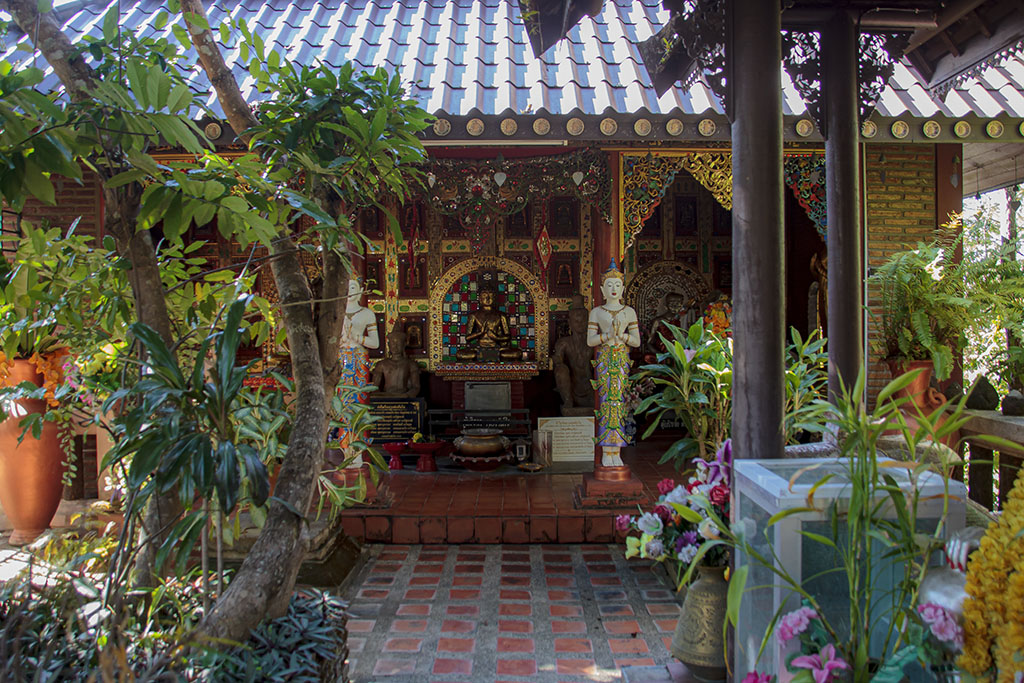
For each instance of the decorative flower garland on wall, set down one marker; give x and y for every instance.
(993, 624)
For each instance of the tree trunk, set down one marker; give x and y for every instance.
(264, 582)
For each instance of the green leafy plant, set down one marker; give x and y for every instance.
(930, 297)
(693, 381)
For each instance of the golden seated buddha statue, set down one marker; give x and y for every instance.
(489, 332)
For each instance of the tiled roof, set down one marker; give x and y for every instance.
(466, 55)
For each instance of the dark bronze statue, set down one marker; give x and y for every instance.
(397, 375)
(571, 357)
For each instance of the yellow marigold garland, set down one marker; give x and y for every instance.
(994, 609)
(719, 317)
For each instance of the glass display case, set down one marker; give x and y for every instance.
(763, 488)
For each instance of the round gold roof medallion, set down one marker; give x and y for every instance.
(574, 126)
(900, 129)
(442, 127)
(541, 126)
(994, 129)
(475, 127)
(804, 127)
(1020, 128)
(706, 127)
(509, 126)
(609, 126)
(642, 127)
(869, 129)
(961, 129)
(931, 129)
(213, 130)
(674, 127)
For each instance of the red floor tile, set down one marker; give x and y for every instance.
(420, 594)
(510, 594)
(566, 610)
(513, 626)
(406, 530)
(568, 627)
(455, 644)
(663, 609)
(543, 529)
(469, 568)
(621, 646)
(573, 645)
(413, 610)
(403, 644)
(666, 625)
(516, 667)
(506, 645)
(434, 529)
(460, 530)
(624, 627)
(642, 661)
(488, 530)
(574, 667)
(468, 580)
(514, 610)
(464, 594)
(424, 580)
(361, 625)
(428, 568)
(615, 610)
(463, 610)
(453, 666)
(409, 625)
(457, 626)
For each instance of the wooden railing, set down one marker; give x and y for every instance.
(983, 462)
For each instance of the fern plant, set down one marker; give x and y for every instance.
(930, 296)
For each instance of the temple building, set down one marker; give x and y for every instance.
(555, 150)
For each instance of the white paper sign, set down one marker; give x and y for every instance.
(572, 438)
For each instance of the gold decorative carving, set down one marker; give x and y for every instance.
(644, 178)
(713, 170)
(961, 129)
(869, 129)
(609, 126)
(931, 129)
(574, 126)
(899, 129)
(804, 127)
(674, 127)
(475, 127)
(541, 126)
(442, 127)
(706, 127)
(509, 126)
(994, 129)
(213, 130)
(532, 281)
(642, 127)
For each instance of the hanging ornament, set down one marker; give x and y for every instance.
(542, 243)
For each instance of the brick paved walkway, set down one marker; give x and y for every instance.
(486, 613)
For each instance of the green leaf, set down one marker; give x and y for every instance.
(737, 585)
(110, 23)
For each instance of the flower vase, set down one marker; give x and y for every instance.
(698, 640)
(31, 472)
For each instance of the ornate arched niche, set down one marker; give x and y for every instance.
(521, 296)
(647, 291)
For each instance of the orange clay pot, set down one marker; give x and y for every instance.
(30, 472)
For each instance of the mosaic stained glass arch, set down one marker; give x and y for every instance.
(519, 295)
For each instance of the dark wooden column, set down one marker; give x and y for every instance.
(757, 214)
(842, 186)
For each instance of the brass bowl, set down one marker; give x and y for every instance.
(481, 443)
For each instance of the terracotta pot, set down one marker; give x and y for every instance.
(30, 472)
(697, 641)
(917, 389)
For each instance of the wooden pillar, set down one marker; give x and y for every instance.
(607, 244)
(842, 191)
(757, 227)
